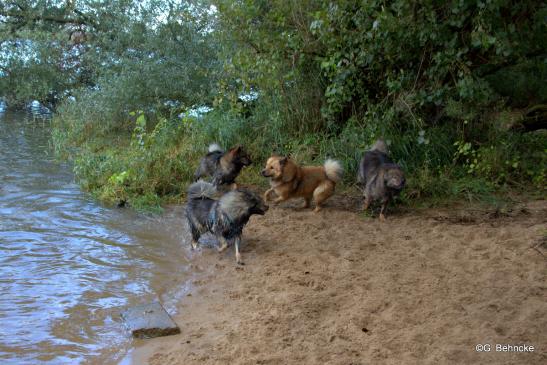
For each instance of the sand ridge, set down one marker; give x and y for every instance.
(339, 288)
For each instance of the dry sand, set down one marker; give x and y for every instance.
(340, 288)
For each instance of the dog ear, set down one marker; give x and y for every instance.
(234, 151)
(290, 171)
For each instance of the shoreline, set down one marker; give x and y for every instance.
(340, 288)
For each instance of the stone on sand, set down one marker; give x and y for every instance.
(149, 321)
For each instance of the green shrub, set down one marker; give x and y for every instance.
(435, 80)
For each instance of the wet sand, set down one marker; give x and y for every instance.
(340, 288)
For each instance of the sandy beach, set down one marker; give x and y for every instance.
(338, 287)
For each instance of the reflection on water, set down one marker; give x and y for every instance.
(67, 264)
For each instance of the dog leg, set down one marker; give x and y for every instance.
(366, 203)
(223, 244)
(322, 193)
(267, 194)
(238, 255)
(279, 200)
(384, 209)
(199, 172)
(307, 202)
(195, 236)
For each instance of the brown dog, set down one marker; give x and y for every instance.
(288, 180)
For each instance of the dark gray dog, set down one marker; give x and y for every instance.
(379, 177)
(223, 216)
(222, 166)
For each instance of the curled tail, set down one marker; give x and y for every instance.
(202, 189)
(213, 147)
(379, 145)
(334, 170)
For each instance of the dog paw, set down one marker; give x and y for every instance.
(238, 259)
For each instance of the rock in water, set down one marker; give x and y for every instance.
(149, 321)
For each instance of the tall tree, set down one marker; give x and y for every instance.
(160, 50)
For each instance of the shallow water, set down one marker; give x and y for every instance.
(69, 265)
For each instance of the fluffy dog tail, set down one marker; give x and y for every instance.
(202, 189)
(379, 145)
(214, 148)
(334, 170)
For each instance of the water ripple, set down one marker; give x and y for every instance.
(68, 265)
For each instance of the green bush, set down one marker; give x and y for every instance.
(435, 80)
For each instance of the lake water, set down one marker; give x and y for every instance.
(69, 265)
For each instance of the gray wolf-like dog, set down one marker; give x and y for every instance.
(223, 216)
(222, 166)
(379, 177)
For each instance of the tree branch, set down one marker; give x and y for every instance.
(492, 69)
(46, 18)
(5, 70)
